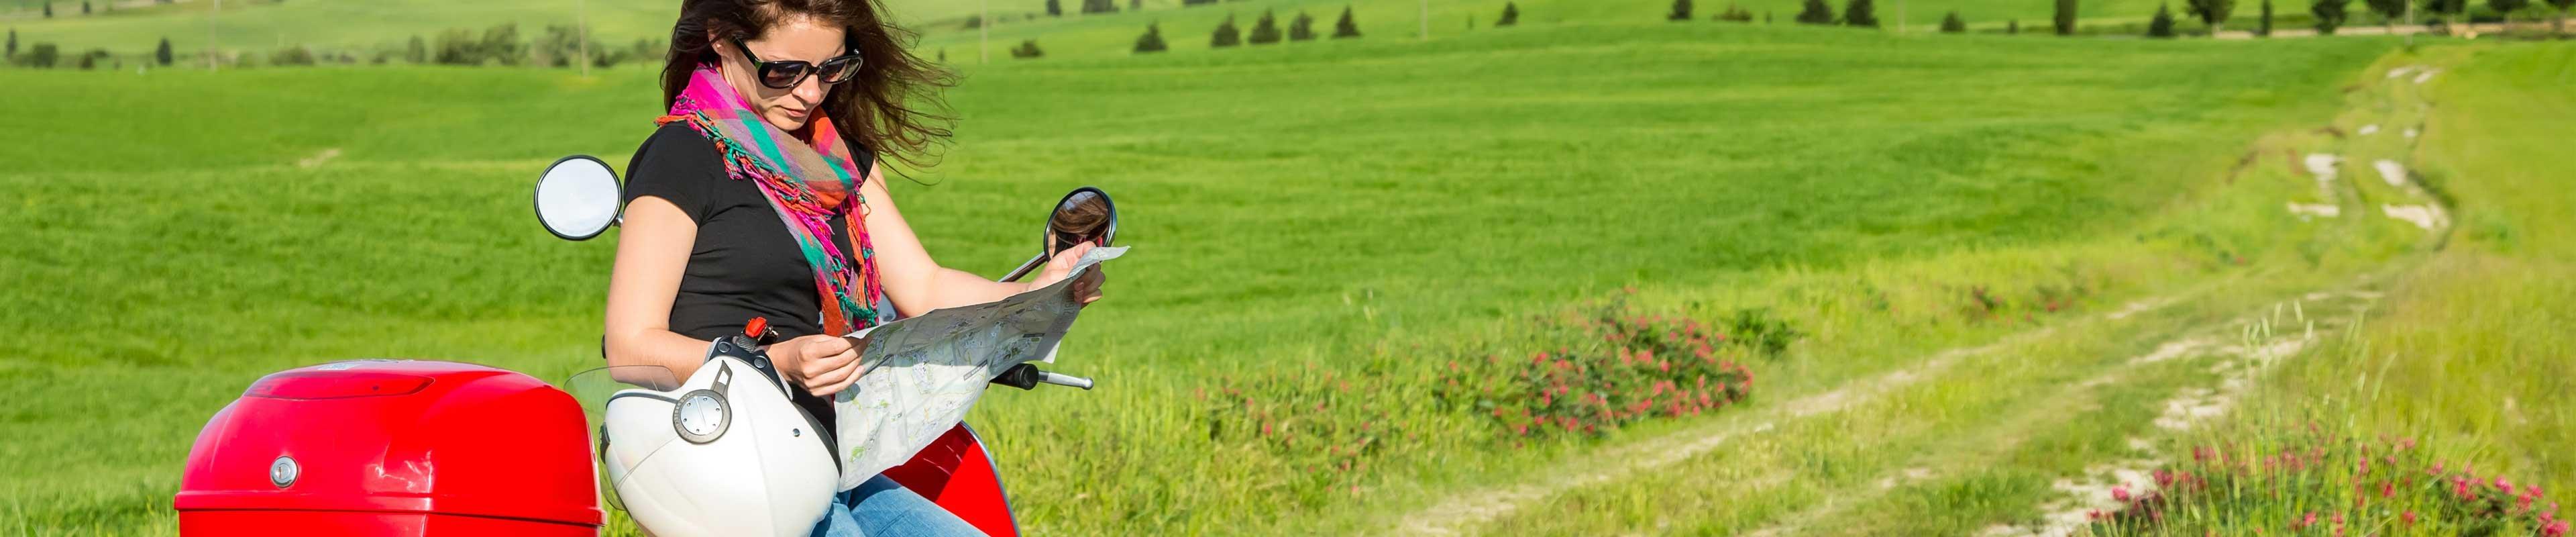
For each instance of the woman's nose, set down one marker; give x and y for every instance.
(811, 90)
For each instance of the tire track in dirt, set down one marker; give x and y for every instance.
(1477, 507)
(2099, 488)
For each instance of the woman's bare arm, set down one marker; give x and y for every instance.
(652, 253)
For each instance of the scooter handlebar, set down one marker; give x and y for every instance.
(1064, 380)
(1028, 377)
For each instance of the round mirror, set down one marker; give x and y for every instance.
(578, 198)
(1086, 214)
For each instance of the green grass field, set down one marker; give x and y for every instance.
(259, 26)
(1361, 212)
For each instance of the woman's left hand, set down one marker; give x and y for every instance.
(1062, 265)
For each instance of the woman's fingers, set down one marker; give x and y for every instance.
(821, 384)
(1089, 286)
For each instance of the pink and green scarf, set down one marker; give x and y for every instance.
(809, 177)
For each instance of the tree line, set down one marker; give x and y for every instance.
(501, 45)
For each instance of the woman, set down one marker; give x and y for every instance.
(760, 196)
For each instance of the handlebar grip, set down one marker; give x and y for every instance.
(1023, 376)
(1064, 380)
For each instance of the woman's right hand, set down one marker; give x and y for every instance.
(823, 364)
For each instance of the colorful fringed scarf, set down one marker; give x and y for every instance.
(808, 179)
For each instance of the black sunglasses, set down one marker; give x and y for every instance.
(787, 74)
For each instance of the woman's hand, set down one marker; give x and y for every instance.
(822, 364)
(1062, 265)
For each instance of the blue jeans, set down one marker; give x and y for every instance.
(881, 508)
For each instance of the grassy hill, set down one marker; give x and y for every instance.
(259, 26)
(178, 234)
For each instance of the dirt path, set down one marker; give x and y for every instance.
(1476, 507)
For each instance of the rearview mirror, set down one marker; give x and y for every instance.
(1084, 215)
(578, 198)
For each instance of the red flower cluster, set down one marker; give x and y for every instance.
(2363, 477)
(1641, 367)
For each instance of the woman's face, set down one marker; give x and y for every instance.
(795, 38)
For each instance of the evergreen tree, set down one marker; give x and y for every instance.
(2211, 12)
(1736, 13)
(2012, 27)
(162, 53)
(1681, 11)
(417, 51)
(1346, 27)
(1092, 6)
(2563, 6)
(2506, 8)
(1054, 9)
(1265, 31)
(1226, 34)
(2064, 19)
(2265, 30)
(44, 55)
(1302, 29)
(2162, 24)
(2329, 15)
(13, 44)
(1860, 13)
(49, 9)
(1816, 12)
(1152, 41)
(84, 11)
(2442, 9)
(2389, 12)
(1950, 24)
(1512, 15)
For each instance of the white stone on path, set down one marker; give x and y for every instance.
(2367, 130)
(2391, 171)
(2322, 165)
(2428, 75)
(2410, 133)
(2323, 210)
(2428, 217)
(2401, 71)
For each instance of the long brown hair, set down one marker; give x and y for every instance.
(892, 107)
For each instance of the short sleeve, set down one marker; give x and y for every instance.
(678, 165)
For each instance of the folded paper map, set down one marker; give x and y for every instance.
(924, 372)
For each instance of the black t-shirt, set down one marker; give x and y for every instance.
(744, 264)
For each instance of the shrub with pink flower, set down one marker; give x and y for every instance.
(1617, 367)
(2311, 482)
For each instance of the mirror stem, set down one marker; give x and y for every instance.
(1025, 268)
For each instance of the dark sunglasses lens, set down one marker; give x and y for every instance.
(840, 70)
(782, 75)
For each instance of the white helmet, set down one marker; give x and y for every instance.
(726, 453)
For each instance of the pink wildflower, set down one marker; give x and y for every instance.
(2120, 493)
(2409, 517)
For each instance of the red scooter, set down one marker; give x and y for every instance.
(404, 447)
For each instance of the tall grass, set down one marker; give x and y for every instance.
(2467, 358)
